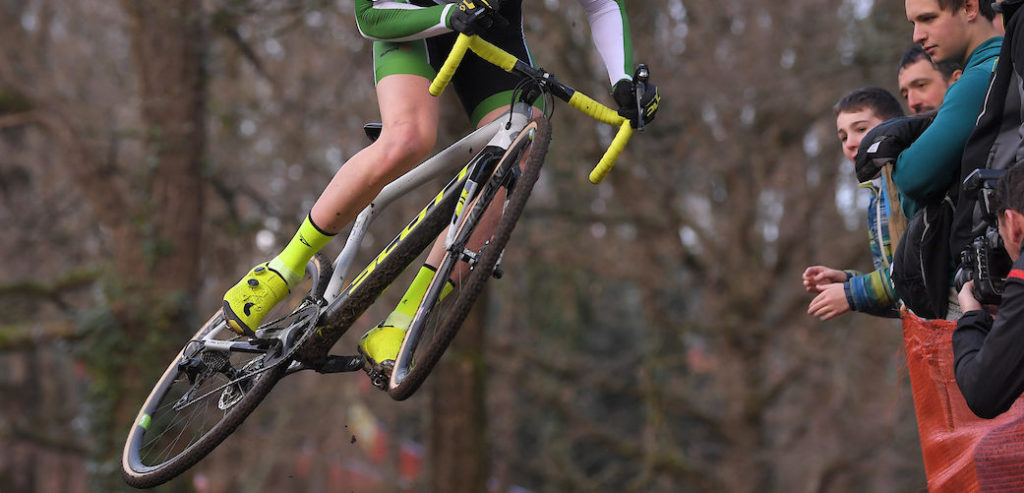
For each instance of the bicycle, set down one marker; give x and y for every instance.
(219, 377)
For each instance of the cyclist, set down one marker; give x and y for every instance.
(411, 40)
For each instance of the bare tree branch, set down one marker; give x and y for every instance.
(29, 335)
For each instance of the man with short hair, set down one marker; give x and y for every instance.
(922, 82)
(989, 353)
(928, 157)
(840, 291)
(927, 151)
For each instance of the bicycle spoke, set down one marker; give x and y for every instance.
(211, 387)
(190, 409)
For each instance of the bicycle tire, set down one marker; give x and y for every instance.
(412, 368)
(150, 427)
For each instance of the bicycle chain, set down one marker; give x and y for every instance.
(287, 357)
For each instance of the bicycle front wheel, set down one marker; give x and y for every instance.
(471, 260)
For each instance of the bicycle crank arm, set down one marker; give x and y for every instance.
(333, 364)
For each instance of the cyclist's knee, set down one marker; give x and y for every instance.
(405, 145)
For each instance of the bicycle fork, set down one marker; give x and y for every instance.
(482, 173)
(482, 167)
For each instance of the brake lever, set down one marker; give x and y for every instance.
(640, 78)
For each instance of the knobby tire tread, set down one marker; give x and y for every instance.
(203, 446)
(319, 267)
(472, 286)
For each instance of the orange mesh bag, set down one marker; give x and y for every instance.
(962, 452)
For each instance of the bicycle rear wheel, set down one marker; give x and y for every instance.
(436, 324)
(205, 394)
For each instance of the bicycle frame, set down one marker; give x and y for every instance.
(498, 133)
(337, 314)
(303, 339)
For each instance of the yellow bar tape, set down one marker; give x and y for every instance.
(493, 54)
(594, 109)
(613, 152)
(607, 115)
(580, 101)
(444, 76)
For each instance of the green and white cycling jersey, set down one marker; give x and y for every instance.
(415, 36)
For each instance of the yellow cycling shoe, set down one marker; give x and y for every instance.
(380, 347)
(249, 301)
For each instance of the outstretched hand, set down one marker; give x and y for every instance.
(830, 303)
(818, 276)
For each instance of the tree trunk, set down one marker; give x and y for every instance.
(157, 253)
(457, 427)
(168, 41)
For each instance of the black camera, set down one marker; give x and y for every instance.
(984, 260)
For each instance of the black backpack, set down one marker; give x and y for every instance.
(921, 263)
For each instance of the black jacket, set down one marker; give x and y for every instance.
(989, 354)
(996, 140)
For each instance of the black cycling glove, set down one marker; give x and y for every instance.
(884, 143)
(475, 16)
(624, 93)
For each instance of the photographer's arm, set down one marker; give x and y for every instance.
(989, 355)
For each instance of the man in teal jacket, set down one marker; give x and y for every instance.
(948, 30)
(928, 156)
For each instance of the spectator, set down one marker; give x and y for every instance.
(840, 291)
(928, 159)
(922, 82)
(989, 354)
(927, 152)
(995, 143)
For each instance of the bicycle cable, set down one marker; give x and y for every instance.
(533, 83)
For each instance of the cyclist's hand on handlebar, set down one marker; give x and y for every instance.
(476, 16)
(636, 98)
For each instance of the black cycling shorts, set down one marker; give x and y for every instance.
(480, 86)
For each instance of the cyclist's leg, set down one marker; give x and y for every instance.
(409, 115)
(485, 92)
(487, 222)
(382, 342)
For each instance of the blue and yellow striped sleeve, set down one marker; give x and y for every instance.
(872, 293)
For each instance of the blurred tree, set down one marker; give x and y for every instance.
(143, 202)
(677, 353)
(651, 332)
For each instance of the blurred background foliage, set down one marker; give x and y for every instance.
(651, 333)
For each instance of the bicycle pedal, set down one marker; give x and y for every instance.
(341, 364)
(380, 375)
